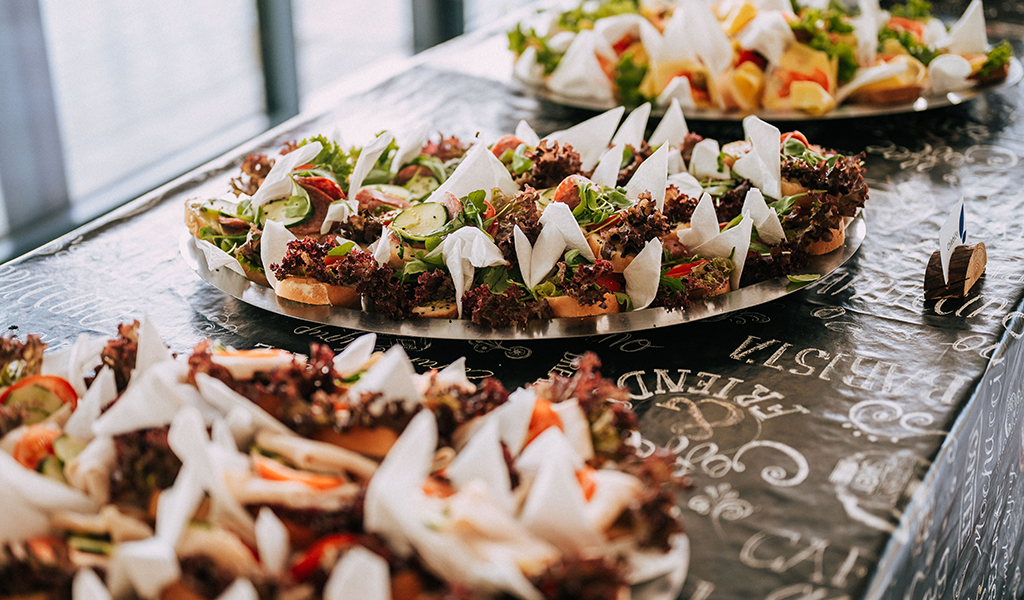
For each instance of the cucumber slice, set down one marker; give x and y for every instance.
(546, 197)
(220, 206)
(37, 401)
(90, 545)
(392, 190)
(421, 186)
(52, 467)
(421, 221)
(288, 211)
(66, 447)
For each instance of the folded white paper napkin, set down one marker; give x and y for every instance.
(559, 232)
(677, 90)
(643, 275)
(767, 33)
(651, 176)
(606, 174)
(409, 146)
(464, 251)
(672, 129)
(579, 74)
(590, 138)
(526, 134)
(704, 163)
(949, 73)
(278, 183)
(367, 158)
(763, 164)
(273, 247)
(479, 170)
(351, 360)
(764, 218)
(967, 35)
(631, 132)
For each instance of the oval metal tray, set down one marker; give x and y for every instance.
(241, 288)
(845, 111)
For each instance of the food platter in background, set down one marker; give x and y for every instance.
(845, 111)
(779, 60)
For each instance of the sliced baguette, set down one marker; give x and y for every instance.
(893, 95)
(311, 291)
(619, 262)
(256, 276)
(725, 288)
(437, 309)
(566, 306)
(824, 247)
(374, 442)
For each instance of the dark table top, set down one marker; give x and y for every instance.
(811, 426)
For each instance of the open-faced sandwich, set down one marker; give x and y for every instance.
(587, 221)
(745, 55)
(126, 472)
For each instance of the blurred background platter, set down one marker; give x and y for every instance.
(844, 111)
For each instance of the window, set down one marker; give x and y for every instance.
(334, 38)
(481, 13)
(145, 91)
(116, 97)
(3, 218)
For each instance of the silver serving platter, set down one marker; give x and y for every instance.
(844, 111)
(257, 295)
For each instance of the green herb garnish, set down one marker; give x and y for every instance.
(997, 59)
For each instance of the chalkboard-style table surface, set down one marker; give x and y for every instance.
(849, 440)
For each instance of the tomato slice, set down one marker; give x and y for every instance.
(585, 477)
(684, 269)
(698, 87)
(795, 135)
(788, 77)
(40, 395)
(612, 220)
(543, 416)
(911, 26)
(35, 445)
(437, 488)
(45, 548)
(269, 468)
(609, 283)
(328, 547)
(506, 143)
(751, 56)
(624, 42)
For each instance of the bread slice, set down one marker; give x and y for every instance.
(892, 95)
(256, 276)
(437, 309)
(566, 306)
(725, 288)
(311, 291)
(618, 260)
(368, 441)
(823, 247)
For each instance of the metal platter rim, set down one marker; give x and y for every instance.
(243, 289)
(847, 111)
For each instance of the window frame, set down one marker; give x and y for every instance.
(33, 181)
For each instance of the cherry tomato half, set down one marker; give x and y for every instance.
(324, 547)
(609, 283)
(683, 270)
